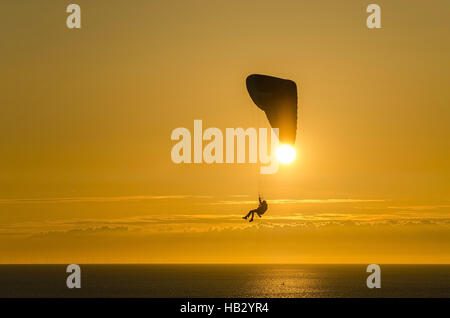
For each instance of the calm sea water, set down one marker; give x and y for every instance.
(225, 281)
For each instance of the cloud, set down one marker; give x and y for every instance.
(184, 223)
(419, 207)
(103, 230)
(298, 201)
(308, 241)
(239, 196)
(100, 199)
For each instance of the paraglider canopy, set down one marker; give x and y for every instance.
(277, 97)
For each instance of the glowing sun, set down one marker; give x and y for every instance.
(285, 154)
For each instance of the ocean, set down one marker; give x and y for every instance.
(229, 281)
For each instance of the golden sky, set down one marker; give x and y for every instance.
(86, 118)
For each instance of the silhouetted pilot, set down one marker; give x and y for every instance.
(260, 210)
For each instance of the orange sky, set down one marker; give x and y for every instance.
(85, 170)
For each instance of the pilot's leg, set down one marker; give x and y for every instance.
(248, 214)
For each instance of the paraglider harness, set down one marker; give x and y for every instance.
(262, 208)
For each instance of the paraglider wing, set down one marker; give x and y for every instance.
(277, 97)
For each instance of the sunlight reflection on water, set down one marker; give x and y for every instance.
(225, 281)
